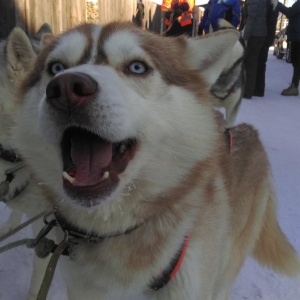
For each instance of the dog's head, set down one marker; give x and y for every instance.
(17, 54)
(113, 116)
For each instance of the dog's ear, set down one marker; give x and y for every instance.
(20, 54)
(210, 53)
(45, 28)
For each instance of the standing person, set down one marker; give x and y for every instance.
(254, 34)
(179, 17)
(272, 15)
(293, 36)
(229, 10)
(140, 13)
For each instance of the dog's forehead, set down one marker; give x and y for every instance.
(121, 45)
(97, 43)
(71, 46)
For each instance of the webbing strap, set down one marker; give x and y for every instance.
(21, 226)
(48, 277)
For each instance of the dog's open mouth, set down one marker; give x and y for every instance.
(91, 165)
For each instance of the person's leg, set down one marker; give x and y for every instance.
(175, 29)
(296, 62)
(188, 30)
(259, 90)
(293, 90)
(253, 48)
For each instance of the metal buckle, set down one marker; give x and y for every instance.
(45, 218)
(49, 225)
(45, 230)
(69, 237)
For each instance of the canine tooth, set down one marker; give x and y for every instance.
(105, 175)
(122, 149)
(68, 177)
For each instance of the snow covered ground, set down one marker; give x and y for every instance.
(278, 121)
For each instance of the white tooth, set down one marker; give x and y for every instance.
(68, 177)
(122, 149)
(105, 175)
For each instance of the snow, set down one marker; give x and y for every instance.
(278, 120)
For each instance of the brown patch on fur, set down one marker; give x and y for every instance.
(87, 30)
(166, 54)
(35, 73)
(47, 39)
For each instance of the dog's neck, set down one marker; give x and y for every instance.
(76, 233)
(73, 236)
(73, 233)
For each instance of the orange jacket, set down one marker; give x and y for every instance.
(186, 16)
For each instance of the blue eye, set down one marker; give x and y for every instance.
(138, 67)
(55, 68)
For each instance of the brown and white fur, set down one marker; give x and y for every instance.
(125, 141)
(24, 196)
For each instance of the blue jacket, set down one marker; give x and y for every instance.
(217, 9)
(293, 14)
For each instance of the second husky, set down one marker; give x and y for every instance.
(18, 191)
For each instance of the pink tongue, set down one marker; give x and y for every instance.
(90, 156)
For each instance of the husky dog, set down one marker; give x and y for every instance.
(16, 189)
(137, 158)
(229, 87)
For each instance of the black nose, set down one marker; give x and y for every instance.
(71, 90)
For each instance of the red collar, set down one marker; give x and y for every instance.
(170, 272)
(229, 138)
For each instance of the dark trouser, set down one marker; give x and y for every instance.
(295, 59)
(259, 89)
(177, 29)
(253, 50)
